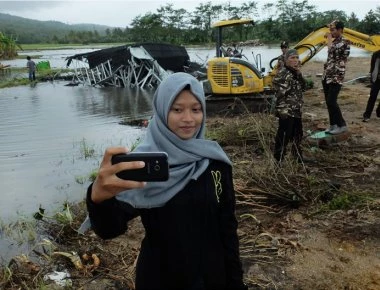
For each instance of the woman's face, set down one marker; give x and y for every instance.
(185, 115)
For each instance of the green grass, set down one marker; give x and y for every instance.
(90, 177)
(14, 83)
(21, 231)
(22, 80)
(93, 174)
(346, 201)
(86, 150)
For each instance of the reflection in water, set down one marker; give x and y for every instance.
(124, 102)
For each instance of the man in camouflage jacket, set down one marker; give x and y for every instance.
(333, 75)
(289, 86)
(281, 59)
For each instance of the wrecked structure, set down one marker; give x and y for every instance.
(139, 65)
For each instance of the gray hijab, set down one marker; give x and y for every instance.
(188, 159)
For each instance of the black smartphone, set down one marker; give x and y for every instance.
(156, 166)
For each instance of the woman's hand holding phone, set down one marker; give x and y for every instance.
(107, 184)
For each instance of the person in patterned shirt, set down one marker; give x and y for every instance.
(333, 75)
(289, 85)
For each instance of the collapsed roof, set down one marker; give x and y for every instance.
(137, 64)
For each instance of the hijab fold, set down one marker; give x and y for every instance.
(188, 159)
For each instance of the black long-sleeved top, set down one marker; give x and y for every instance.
(375, 56)
(190, 243)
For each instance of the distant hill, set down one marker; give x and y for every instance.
(34, 31)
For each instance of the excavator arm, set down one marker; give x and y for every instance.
(315, 41)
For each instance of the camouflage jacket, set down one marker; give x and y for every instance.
(335, 67)
(289, 86)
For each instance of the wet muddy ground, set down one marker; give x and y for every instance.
(281, 248)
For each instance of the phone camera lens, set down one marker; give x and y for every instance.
(157, 167)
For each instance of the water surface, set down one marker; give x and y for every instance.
(44, 131)
(43, 128)
(198, 54)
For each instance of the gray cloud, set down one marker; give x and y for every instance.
(22, 6)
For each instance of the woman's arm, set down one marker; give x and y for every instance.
(109, 218)
(108, 215)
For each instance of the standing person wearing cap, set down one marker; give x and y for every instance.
(281, 59)
(333, 75)
(375, 87)
(289, 85)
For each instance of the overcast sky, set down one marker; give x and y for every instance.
(120, 13)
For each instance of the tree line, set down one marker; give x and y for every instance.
(283, 20)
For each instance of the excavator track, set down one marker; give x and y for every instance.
(237, 104)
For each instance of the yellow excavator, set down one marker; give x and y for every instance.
(230, 76)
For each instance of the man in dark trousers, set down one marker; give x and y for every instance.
(289, 85)
(375, 87)
(333, 75)
(31, 65)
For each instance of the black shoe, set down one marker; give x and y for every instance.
(365, 119)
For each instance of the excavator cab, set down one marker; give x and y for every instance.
(230, 74)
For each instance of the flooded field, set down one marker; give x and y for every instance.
(43, 128)
(52, 136)
(45, 133)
